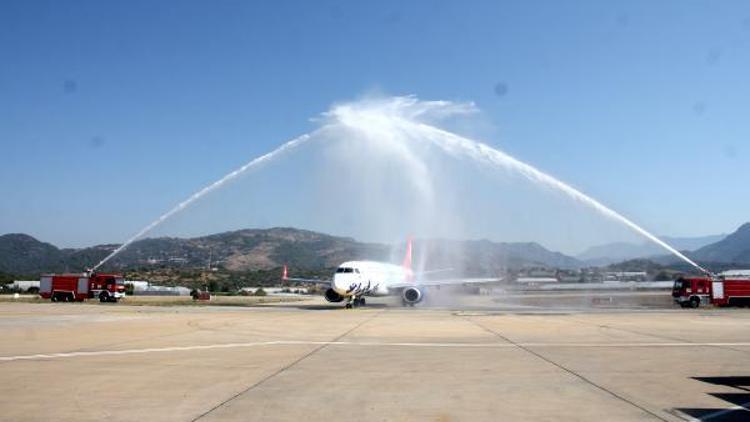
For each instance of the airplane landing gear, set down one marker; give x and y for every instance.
(355, 302)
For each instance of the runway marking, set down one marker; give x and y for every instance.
(356, 344)
(562, 367)
(283, 369)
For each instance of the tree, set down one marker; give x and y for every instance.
(662, 276)
(213, 286)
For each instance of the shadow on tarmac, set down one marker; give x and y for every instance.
(328, 307)
(740, 401)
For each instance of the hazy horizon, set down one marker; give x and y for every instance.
(637, 241)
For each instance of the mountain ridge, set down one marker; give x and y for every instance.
(735, 248)
(263, 249)
(610, 253)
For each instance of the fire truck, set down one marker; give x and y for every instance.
(78, 287)
(692, 292)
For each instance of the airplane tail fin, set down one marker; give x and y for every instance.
(407, 264)
(285, 274)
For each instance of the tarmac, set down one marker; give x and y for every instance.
(478, 359)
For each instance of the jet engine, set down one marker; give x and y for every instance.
(332, 296)
(412, 295)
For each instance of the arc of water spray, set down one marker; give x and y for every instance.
(447, 141)
(198, 195)
(453, 144)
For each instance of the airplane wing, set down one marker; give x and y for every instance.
(444, 282)
(285, 277)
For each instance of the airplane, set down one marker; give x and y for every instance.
(353, 280)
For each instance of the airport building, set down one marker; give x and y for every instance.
(736, 274)
(625, 276)
(23, 285)
(536, 281)
(144, 288)
(277, 291)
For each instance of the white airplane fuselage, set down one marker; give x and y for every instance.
(353, 280)
(368, 278)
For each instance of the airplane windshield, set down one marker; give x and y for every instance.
(345, 270)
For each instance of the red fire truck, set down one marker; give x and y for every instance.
(77, 287)
(691, 292)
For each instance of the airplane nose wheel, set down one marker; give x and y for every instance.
(356, 302)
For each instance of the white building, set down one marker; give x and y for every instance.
(626, 276)
(153, 290)
(536, 280)
(23, 285)
(138, 285)
(277, 291)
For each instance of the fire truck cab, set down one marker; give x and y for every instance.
(691, 292)
(78, 287)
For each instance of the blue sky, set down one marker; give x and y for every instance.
(112, 112)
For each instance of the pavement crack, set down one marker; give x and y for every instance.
(284, 368)
(566, 369)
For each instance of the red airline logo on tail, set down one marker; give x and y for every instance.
(284, 274)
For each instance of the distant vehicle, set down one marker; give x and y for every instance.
(353, 280)
(200, 294)
(692, 292)
(79, 287)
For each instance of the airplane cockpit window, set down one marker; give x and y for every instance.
(344, 270)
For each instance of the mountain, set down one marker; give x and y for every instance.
(256, 249)
(734, 249)
(483, 257)
(251, 249)
(24, 254)
(614, 252)
(639, 264)
(622, 251)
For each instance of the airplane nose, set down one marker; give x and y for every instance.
(341, 285)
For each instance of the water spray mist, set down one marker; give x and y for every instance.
(396, 120)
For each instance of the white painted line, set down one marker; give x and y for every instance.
(131, 351)
(360, 344)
